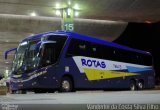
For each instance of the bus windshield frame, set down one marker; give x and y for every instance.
(28, 55)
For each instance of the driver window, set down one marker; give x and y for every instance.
(48, 54)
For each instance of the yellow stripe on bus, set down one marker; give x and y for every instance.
(95, 74)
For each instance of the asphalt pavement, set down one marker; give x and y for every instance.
(81, 97)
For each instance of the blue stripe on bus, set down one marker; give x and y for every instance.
(137, 69)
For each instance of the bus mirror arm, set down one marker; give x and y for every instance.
(8, 51)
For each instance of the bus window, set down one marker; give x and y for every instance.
(48, 54)
(30, 58)
(95, 50)
(59, 39)
(145, 59)
(109, 53)
(20, 57)
(33, 55)
(77, 48)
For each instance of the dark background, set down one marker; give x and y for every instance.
(143, 36)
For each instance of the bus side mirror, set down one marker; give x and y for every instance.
(8, 51)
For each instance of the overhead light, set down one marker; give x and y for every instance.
(57, 5)
(58, 12)
(7, 41)
(76, 13)
(69, 11)
(33, 14)
(69, 2)
(31, 34)
(76, 6)
(149, 22)
(6, 62)
(7, 72)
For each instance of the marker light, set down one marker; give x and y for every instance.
(7, 72)
(76, 6)
(58, 13)
(76, 13)
(33, 14)
(57, 5)
(69, 2)
(69, 11)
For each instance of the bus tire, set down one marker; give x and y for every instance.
(132, 85)
(66, 85)
(140, 85)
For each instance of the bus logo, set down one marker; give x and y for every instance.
(93, 63)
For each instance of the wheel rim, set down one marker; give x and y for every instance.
(132, 87)
(66, 85)
(140, 85)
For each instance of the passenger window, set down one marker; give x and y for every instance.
(77, 48)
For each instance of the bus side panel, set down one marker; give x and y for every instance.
(81, 80)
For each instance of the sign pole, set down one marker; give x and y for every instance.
(67, 19)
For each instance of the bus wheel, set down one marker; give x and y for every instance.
(66, 85)
(132, 85)
(140, 85)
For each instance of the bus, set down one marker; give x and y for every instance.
(68, 61)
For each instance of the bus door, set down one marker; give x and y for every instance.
(47, 65)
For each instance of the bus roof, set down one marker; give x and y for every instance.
(87, 38)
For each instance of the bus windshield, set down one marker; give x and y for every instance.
(29, 53)
(32, 58)
(25, 57)
(19, 56)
